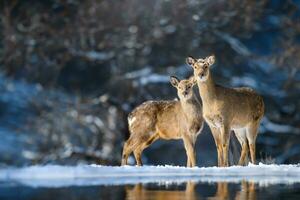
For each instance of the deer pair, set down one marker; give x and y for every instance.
(223, 109)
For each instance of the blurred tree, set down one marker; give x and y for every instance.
(120, 53)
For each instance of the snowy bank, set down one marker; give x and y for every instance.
(83, 175)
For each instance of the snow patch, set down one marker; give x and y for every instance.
(83, 175)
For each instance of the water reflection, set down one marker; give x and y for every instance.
(247, 191)
(140, 192)
(244, 190)
(191, 192)
(222, 191)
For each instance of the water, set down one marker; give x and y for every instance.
(85, 182)
(152, 191)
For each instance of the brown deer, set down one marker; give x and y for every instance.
(226, 109)
(174, 119)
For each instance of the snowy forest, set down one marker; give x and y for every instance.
(72, 70)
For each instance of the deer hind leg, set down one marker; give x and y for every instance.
(190, 151)
(129, 146)
(241, 136)
(138, 151)
(138, 156)
(126, 151)
(252, 132)
(217, 137)
(225, 137)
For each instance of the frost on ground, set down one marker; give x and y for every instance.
(84, 175)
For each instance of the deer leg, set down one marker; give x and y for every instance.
(126, 151)
(138, 154)
(216, 135)
(241, 136)
(188, 161)
(193, 156)
(252, 131)
(225, 137)
(129, 146)
(190, 152)
(252, 152)
(244, 153)
(138, 151)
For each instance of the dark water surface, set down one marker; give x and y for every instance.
(163, 191)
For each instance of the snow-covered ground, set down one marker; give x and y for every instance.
(84, 175)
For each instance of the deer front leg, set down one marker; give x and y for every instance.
(225, 137)
(190, 152)
(188, 161)
(217, 137)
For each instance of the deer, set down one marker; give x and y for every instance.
(228, 109)
(166, 119)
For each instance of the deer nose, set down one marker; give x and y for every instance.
(185, 93)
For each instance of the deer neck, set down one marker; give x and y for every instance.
(207, 90)
(190, 107)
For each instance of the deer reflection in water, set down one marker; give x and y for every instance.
(222, 192)
(140, 192)
(247, 191)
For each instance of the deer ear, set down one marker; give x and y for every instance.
(211, 60)
(174, 81)
(190, 60)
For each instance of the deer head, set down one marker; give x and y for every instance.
(184, 87)
(201, 66)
